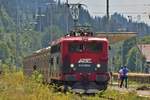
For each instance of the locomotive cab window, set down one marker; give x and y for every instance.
(76, 47)
(89, 46)
(94, 46)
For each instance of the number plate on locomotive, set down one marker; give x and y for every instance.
(84, 65)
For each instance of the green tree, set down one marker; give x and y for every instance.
(132, 60)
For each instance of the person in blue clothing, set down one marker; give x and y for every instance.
(124, 76)
(119, 75)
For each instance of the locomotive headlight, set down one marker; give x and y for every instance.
(71, 65)
(98, 65)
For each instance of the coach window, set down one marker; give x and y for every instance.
(57, 60)
(34, 67)
(55, 48)
(51, 61)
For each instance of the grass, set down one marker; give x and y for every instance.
(15, 86)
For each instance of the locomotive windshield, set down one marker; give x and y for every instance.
(94, 46)
(88, 46)
(76, 47)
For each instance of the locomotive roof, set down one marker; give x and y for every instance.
(79, 38)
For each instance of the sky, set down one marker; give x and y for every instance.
(138, 9)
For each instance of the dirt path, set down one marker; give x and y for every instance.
(143, 93)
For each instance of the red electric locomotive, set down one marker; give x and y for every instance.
(81, 61)
(78, 60)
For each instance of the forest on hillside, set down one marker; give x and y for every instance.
(32, 24)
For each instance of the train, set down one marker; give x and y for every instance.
(78, 60)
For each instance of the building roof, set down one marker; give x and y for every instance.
(115, 37)
(145, 50)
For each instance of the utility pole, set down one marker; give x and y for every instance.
(39, 16)
(51, 19)
(67, 17)
(138, 60)
(51, 23)
(107, 9)
(107, 32)
(122, 60)
(17, 34)
(0, 66)
(107, 15)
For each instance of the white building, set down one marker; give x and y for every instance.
(145, 51)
